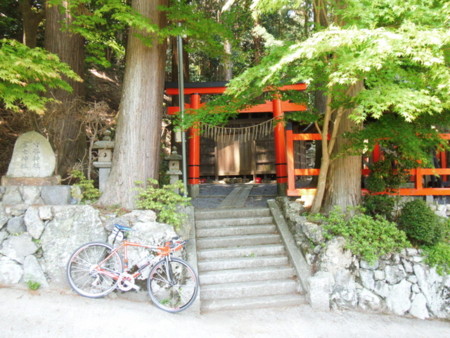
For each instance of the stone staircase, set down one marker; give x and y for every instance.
(242, 261)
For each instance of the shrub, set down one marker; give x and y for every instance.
(382, 205)
(366, 236)
(421, 224)
(385, 175)
(164, 201)
(32, 285)
(88, 192)
(439, 257)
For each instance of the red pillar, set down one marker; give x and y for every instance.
(194, 146)
(443, 159)
(376, 154)
(280, 145)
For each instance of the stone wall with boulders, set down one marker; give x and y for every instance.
(399, 283)
(37, 241)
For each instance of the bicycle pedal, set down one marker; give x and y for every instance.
(137, 288)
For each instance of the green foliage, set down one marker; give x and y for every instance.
(420, 223)
(27, 73)
(102, 23)
(367, 237)
(439, 257)
(388, 174)
(32, 285)
(403, 65)
(404, 146)
(88, 191)
(164, 201)
(382, 205)
(404, 141)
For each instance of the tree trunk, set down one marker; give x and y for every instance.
(174, 71)
(344, 175)
(62, 122)
(227, 62)
(137, 144)
(31, 20)
(327, 148)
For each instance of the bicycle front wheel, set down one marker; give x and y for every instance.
(172, 285)
(93, 270)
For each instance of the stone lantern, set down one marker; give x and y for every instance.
(105, 151)
(174, 171)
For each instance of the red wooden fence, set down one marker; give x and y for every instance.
(417, 174)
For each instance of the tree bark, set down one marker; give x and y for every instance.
(31, 20)
(62, 124)
(327, 148)
(137, 144)
(339, 181)
(344, 175)
(227, 62)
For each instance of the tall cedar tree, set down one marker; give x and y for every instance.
(136, 155)
(65, 129)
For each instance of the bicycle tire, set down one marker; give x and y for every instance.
(86, 277)
(178, 295)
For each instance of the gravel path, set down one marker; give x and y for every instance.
(49, 313)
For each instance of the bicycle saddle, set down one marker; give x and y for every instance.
(123, 227)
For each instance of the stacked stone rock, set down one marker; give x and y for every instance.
(37, 241)
(397, 283)
(403, 284)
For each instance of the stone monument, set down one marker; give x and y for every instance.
(30, 177)
(32, 163)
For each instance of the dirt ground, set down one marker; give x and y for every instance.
(51, 313)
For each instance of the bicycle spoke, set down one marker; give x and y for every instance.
(176, 293)
(88, 278)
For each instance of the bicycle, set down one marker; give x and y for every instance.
(95, 269)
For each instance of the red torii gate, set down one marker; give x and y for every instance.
(276, 106)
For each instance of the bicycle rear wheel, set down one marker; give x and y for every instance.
(92, 271)
(172, 285)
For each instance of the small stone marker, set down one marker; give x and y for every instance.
(32, 163)
(32, 157)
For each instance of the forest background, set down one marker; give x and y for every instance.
(376, 70)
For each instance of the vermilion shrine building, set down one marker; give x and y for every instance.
(256, 145)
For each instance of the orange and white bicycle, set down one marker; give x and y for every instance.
(96, 269)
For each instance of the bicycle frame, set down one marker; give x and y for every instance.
(162, 252)
(172, 283)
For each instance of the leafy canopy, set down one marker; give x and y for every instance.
(27, 73)
(403, 61)
(103, 22)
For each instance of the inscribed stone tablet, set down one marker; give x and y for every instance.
(33, 156)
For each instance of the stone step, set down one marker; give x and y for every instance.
(224, 222)
(246, 262)
(235, 213)
(253, 302)
(246, 275)
(249, 289)
(236, 230)
(237, 198)
(241, 252)
(232, 241)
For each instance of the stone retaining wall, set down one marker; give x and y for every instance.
(36, 195)
(397, 283)
(37, 241)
